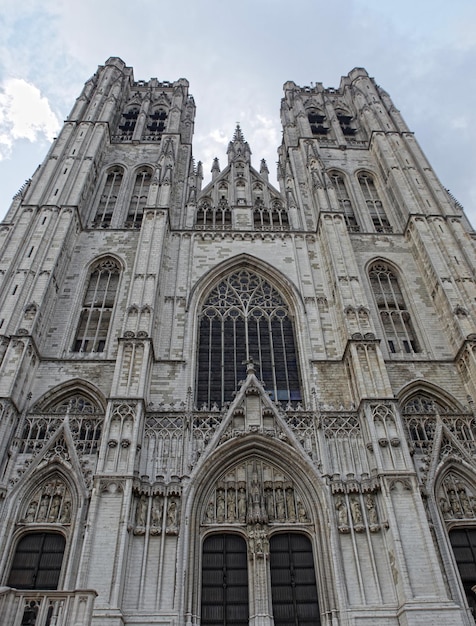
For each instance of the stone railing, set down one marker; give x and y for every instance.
(46, 608)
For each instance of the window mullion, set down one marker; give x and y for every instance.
(90, 310)
(285, 357)
(210, 355)
(109, 194)
(273, 366)
(222, 360)
(101, 308)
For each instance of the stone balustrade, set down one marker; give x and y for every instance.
(46, 608)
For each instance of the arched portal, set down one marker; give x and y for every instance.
(250, 504)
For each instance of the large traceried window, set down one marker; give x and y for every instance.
(394, 314)
(97, 307)
(108, 199)
(244, 318)
(345, 203)
(37, 561)
(139, 198)
(374, 204)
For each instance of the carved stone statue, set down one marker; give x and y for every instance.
(220, 506)
(242, 505)
(302, 514)
(66, 512)
(280, 511)
(258, 543)
(157, 514)
(341, 509)
(256, 500)
(268, 494)
(261, 541)
(445, 508)
(356, 511)
(31, 512)
(210, 513)
(172, 512)
(43, 510)
(55, 508)
(141, 511)
(231, 516)
(290, 504)
(455, 505)
(372, 515)
(467, 510)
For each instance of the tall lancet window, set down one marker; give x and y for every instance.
(345, 203)
(243, 318)
(108, 199)
(394, 314)
(139, 198)
(97, 308)
(374, 204)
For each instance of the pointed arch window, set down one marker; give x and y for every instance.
(425, 403)
(243, 318)
(317, 122)
(345, 203)
(374, 204)
(98, 305)
(224, 581)
(128, 122)
(217, 218)
(274, 217)
(155, 124)
(139, 198)
(37, 561)
(108, 198)
(346, 123)
(394, 315)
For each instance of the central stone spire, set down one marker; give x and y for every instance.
(238, 148)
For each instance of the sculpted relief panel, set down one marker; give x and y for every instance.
(254, 492)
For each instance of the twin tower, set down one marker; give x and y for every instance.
(228, 404)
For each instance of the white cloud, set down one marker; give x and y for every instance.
(24, 114)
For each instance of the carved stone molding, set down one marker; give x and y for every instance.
(110, 485)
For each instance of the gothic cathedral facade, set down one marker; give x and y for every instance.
(226, 404)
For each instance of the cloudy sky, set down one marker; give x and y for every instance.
(237, 55)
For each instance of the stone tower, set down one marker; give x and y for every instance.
(231, 404)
